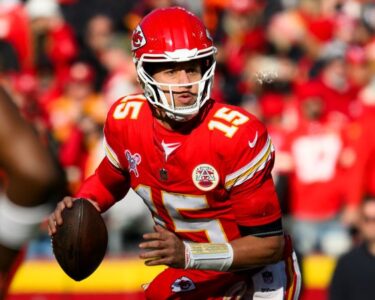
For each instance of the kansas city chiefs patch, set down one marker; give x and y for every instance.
(205, 177)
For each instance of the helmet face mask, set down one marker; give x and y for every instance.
(156, 92)
(173, 35)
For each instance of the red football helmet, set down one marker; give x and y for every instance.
(173, 35)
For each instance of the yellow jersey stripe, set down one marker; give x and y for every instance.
(251, 163)
(111, 155)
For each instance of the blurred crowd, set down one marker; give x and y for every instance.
(304, 67)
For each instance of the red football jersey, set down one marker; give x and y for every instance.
(200, 182)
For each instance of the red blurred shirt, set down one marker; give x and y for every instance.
(15, 28)
(316, 179)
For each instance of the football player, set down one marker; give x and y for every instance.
(29, 179)
(202, 168)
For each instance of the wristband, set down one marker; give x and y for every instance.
(19, 223)
(208, 256)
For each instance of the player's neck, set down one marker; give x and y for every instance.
(183, 127)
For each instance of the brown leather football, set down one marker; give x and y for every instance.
(80, 243)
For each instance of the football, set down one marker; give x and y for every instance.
(80, 243)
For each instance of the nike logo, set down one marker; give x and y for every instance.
(169, 148)
(252, 144)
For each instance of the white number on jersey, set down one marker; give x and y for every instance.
(316, 157)
(175, 204)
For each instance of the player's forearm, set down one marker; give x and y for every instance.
(244, 253)
(44, 186)
(250, 252)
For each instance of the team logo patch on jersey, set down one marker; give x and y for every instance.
(183, 284)
(134, 161)
(205, 177)
(138, 39)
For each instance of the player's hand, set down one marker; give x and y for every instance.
(55, 218)
(163, 248)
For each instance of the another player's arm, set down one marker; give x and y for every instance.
(31, 173)
(32, 178)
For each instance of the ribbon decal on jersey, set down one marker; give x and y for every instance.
(134, 161)
(205, 177)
